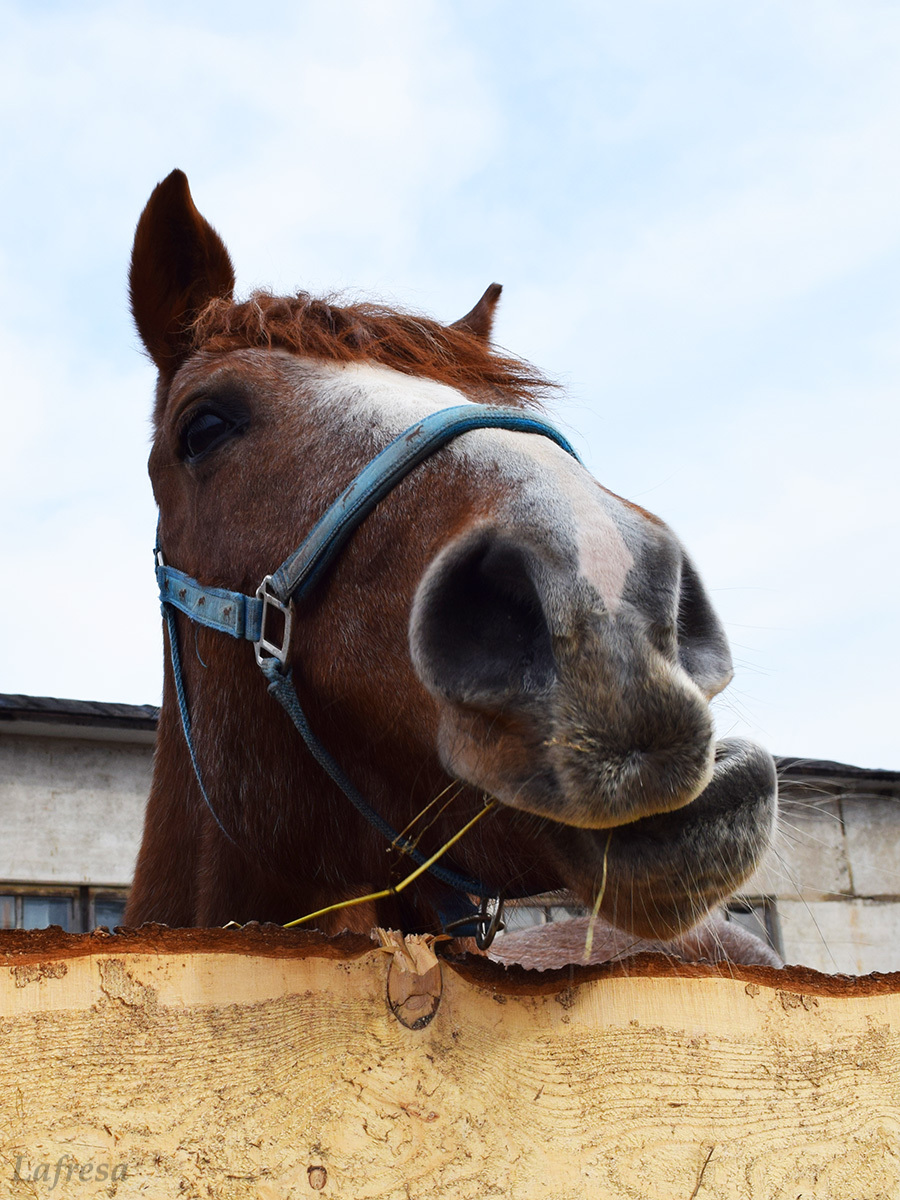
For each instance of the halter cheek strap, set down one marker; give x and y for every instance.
(249, 617)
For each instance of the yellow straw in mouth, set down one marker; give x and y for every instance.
(589, 940)
(394, 891)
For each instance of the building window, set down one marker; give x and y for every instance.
(109, 910)
(75, 909)
(40, 911)
(759, 917)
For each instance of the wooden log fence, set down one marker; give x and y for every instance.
(257, 1064)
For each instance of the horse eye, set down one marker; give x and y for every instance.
(207, 429)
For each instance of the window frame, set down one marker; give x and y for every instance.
(82, 899)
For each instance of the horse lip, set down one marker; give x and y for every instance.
(739, 772)
(666, 871)
(580, 784)
(642, 785)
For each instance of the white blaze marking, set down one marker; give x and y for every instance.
(603, 556)
(553, 489)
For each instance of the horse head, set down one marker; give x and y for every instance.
(499, 624)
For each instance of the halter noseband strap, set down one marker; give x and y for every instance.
(243, 616)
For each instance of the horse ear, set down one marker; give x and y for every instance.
(178, 263)
(480, 320)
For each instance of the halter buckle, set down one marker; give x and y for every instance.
(265, 648)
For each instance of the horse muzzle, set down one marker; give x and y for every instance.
(594, 720)
(548, 700)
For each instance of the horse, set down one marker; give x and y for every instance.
(497, 636)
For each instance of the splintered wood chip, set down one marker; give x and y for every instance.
(414, 981)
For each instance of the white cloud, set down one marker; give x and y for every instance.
(696, 210)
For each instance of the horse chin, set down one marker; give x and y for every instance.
(665, 872)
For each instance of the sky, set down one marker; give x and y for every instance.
(694, 209)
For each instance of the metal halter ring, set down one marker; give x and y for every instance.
(489, 921)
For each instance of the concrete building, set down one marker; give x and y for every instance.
(830, 885)
(74, 777)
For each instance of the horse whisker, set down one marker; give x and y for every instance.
(398, 888)
(414, 845)
(419, 815)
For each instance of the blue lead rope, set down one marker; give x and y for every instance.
(169, 614)
(282, 688)
(243, 616)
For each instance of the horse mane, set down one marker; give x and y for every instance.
(410, 343)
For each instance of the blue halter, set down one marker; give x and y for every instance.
(250, 618)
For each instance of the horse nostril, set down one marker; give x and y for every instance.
(478, 633)
(702, 646)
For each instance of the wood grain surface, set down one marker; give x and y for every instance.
(255, 1065)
